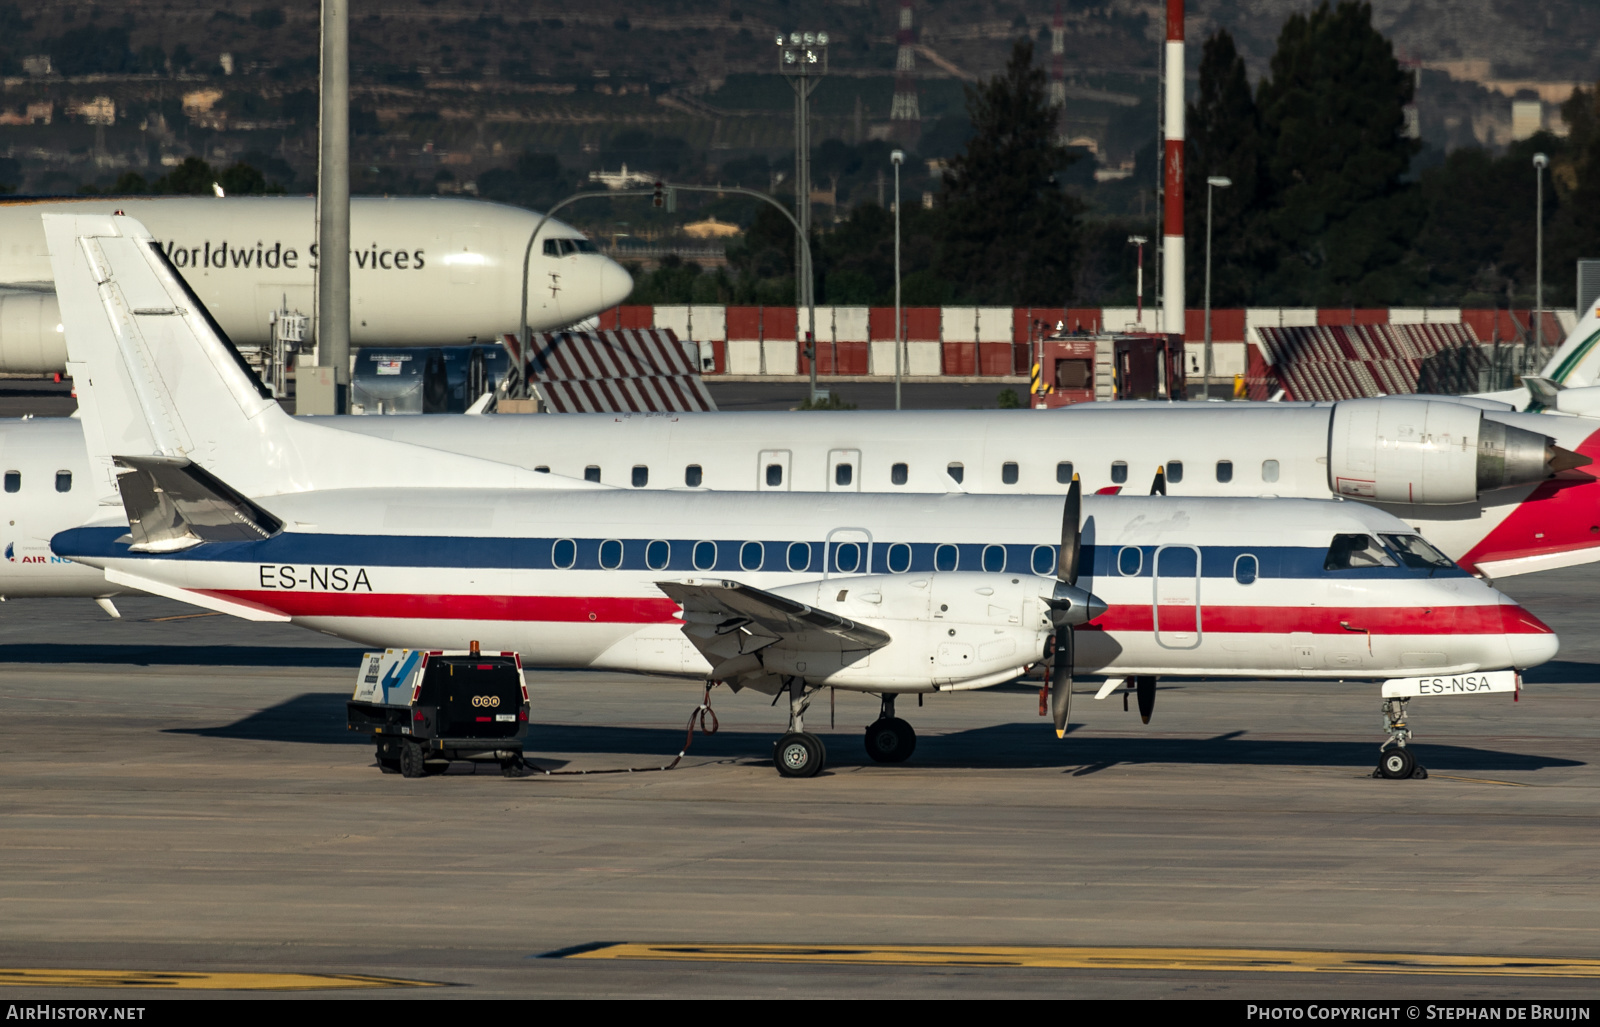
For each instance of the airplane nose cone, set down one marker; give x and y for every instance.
(1530, 639)
(616, 284)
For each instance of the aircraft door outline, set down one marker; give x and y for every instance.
(844, 464)
(1175, 591)
(861, 538)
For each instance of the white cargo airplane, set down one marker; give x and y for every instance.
(234, 506)
(423, 270)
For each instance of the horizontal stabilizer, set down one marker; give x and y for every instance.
(173, 503)
(732, 606)
(204, 600)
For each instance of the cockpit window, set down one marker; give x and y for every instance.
(565, 247)
(1356, 552)
(1414, 552)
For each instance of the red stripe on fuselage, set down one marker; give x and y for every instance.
(1488, 619)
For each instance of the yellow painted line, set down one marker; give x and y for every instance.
(1208, 960)
(151, 980)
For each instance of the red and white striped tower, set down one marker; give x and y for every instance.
(1172, 299)
(1058, 78)
(905, 107)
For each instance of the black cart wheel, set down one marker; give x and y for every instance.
(891, 740)
(388, 766)
(1397, 763)
(513, 768)
(799, 754)
(411, 761)
(433, 768)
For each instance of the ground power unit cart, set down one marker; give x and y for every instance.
(425, 708)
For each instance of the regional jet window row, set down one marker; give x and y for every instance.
(13, 481)
(1401, 556)
(846, 472)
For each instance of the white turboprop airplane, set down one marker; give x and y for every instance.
(423, 270)
(231, 508)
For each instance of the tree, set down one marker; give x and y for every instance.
(1224, 138)
(1333, 113)
(1009, 231)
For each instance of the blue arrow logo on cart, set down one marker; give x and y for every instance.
(399, 672)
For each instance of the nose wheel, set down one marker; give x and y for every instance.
(1397, 762)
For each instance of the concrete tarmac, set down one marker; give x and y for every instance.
(181, 797)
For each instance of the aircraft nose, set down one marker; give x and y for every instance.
(616, 284)
(1530, 639)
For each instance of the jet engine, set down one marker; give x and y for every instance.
(31, 341)
(1433, 452)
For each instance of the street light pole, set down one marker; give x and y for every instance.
(803, 59)
(1540, 162)
(896, 158)
(1213, 183)
(1139, 241)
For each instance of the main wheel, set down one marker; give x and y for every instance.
(411, 761)
(1397, 763)
(891, 740)
(799, 754)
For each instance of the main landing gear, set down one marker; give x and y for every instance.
(1400, 761)
(799, 753)
(890, 739)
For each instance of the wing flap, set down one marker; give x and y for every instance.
(725, 612)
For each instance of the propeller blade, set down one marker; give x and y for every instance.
(1071, 517)
(1159, 486)
(1061, 679)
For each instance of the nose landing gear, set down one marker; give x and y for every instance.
(890, 739)
(1401, 762)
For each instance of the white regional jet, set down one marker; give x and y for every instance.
(423, 270)
(233, 505)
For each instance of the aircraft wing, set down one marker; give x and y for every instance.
(731, 623)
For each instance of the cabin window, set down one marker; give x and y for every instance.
(799, 556)
(846, 557)
(751, 556)
(1008, 473)
(1415, 553)
(899, 558)
(13, 481)
(843, 474)
(946, 557)
(611, 554)
(1044, 560)
(899, 474)
(1119, 472)
(1356, 552)
(1246, 569)
(1130, 561)
(1224, 471)
(63, 481)
(774, 475)
(1064, 473)
(994, 559)
(564, 553)
(692, 476)
(1269, 470)
(705, 555)
(1174, 471)
(956, 472)
(542, 469)
(658, 554)
(641, 476)
(592, 473)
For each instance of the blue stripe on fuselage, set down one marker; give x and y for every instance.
(537, 554)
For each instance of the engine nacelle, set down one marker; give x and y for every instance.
(949, 631)
(31, 341)
(1429, 452)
